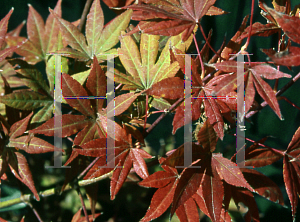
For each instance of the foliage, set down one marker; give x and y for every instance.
(149, 73)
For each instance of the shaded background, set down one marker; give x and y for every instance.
(132, 201)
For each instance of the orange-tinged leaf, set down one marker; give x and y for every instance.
(35, 29)
(94, 26)
(213, 193)
(289, 24)
(249, 93)
(120, 174)
(51, 31)
(268, 72)
(188, 211)
(289, 57)
(207, 137)
(295, 142)
(18, 128)
(188, 183)
(28, 50)
(263, 185)
(72, 88)
(259, 30)
(290, 178)
(122, 103)
(96, 84)
(266, 92)
(160, 202)
(19, 167)
(215, 11)
(3, 26)
(230, 172)
(174, 18)
(71, 124)
(177, 156)
(73, 36)
(227, 66)
(213, 113)
(169, 88)
(34, 146)
(159, 179)
(233, 47)
(77, 217)
(139, 165)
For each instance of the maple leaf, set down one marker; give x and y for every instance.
(146, 72)
(12, 142)
(7, 70)
(286, 23)
(3, 29)
(171, 18)
(166, 182)
(93, 123)
(291, 170)
(288, 57)
(42, 38)
(125, 157)
(40, 96)
(253, 77)
(259, 29)
(99, 40)
(214, 107)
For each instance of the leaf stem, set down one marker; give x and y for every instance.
(83, 205)
(200, 58)
(84, 14)
(162, 116)
(27, 197)
(206, 40)
(35, 212)
(250, 29)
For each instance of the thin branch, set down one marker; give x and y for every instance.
(35, 212)
(244, 48)
(27, 197)
(162, 116)
(206, 40)
(200, 58)
(83, 205)
(84, 14)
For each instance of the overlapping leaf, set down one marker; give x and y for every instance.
(166, 182)
(42, 38)
(14, 138)
(253, 77)
(171, 18)
(99, 41)
(91, 125)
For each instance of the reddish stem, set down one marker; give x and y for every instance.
(250, 30)
(206, 40)
(200, 58)
(146, 114)
(265, 146)
(83, 205)
(284, 98)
